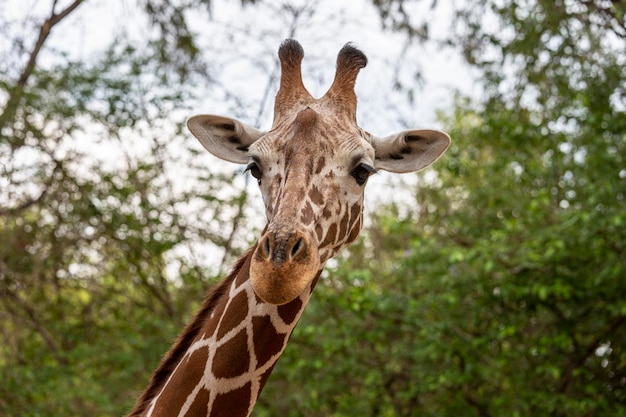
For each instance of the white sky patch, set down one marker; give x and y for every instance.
(241, 44)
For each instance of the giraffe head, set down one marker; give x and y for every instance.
(312, 168)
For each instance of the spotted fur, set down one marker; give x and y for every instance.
(311, 167)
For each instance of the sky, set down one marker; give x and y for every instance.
(241, 45)
(256, 31)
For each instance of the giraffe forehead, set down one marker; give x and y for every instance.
(313, 141)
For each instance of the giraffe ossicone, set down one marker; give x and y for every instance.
(312, 167)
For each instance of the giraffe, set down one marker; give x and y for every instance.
(312, 168)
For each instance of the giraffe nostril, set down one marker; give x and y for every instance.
(279, 248)
(297, 247)
(266, 248)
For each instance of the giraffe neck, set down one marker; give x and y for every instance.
(225, 355)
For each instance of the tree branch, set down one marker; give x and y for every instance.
(11, 211)
(44, 31)
(567, 375)
(16, 210)
(31, 314)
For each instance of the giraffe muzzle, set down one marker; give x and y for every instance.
(283, 265)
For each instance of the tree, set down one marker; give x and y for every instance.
(501, 292)
(99, 255)
(110, 216)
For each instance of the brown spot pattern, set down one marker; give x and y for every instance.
(234, 403)
(232, 358)
(316, 196)
(321, 163)
(331, 235)
(355, 213)
(241, 278)
(343, 224)
(289, 311)
(267, 341)
(187, 376)
(200, 405)
(235, 314)
(354, 233)
(217, 315)
(307, 214)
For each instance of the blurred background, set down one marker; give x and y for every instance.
(492, 284)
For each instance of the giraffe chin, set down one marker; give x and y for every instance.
(282, 283)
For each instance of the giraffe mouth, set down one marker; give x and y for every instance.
(283, 265)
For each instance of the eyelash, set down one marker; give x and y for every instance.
(255, 171)
(362, 172)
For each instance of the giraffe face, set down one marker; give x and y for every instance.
(312, 168)
(312, 175)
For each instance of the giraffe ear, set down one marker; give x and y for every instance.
(410, 150)
(226, 138)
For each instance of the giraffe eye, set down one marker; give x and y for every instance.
(362, 172)
(255, 171)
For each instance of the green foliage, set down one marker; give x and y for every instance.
(499, 292)
(502, 291)
(97, 263)
(503, 304)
